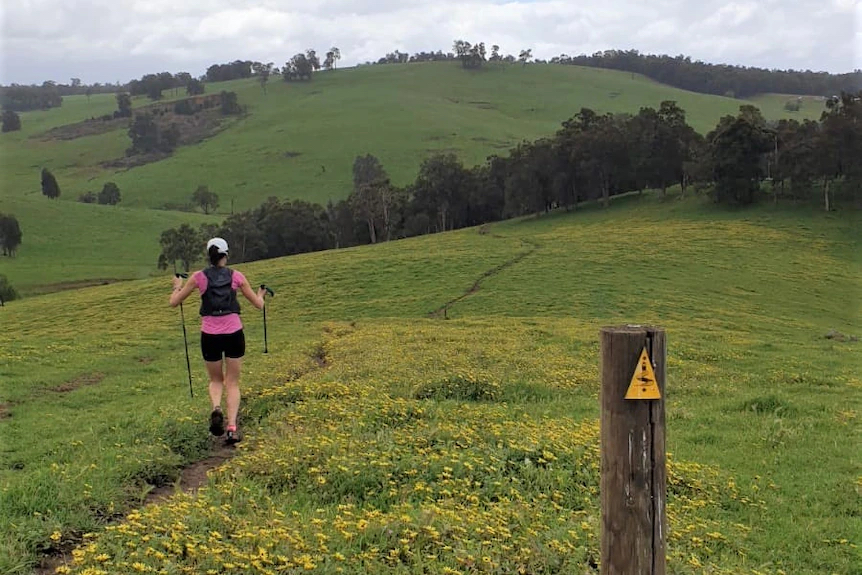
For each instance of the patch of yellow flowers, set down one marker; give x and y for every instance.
(351, 473)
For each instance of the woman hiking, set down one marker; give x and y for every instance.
(221, 331)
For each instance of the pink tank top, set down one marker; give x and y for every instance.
(222, 324)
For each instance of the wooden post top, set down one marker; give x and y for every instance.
(632, 328)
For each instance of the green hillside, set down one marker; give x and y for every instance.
(381, 438)
(298, 141)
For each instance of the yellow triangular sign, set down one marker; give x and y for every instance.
(643, 385)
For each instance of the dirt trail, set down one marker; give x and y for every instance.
(443, 311)
(80, 381)
(192, 477)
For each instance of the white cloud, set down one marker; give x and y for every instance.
(848, 6)
(108, 40)
(731, 15)
(857, 61)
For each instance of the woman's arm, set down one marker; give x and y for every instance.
(256, 299)
(181, 292)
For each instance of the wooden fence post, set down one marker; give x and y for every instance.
(633, 475)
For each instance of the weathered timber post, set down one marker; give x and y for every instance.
(633, 476)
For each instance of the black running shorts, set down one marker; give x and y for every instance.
(213, 347)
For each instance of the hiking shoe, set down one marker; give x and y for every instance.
(217, 422)
(233, 437)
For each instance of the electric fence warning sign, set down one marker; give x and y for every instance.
(643, 384)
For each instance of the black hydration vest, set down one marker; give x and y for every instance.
(219, 299)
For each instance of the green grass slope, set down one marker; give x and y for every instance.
(380, 438)
(300, 140)
(66, 243)
(772, 105)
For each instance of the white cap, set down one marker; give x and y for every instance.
(219, 243)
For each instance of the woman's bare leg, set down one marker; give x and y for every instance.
(214, 371)
(231, 380)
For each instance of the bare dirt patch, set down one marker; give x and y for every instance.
(80, 381)
(196, 128)
(5, 411)
(319, 355)
(193, 129)
(838, 336)
(91, 127)
(58, 557)
(194, 476)
(130, 162)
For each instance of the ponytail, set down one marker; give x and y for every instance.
(214, 255)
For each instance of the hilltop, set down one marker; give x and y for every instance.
(297, 141)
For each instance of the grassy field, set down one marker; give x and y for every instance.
(298, 141)
(69, 243)
(773, 106)
(379, 438)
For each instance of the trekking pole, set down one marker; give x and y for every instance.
(271, 294)
(185, 338)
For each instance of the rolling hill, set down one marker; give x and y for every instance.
(298, 141)
(381, 436)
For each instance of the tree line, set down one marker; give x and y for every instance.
(719, 79)
(678, 71)
(300, 66)
(592, 157)
(468, 54)
(22, 98)
(153, 85)
(17, 98)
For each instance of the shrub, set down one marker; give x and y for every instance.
(110, 194)
(184, 108)
(11, 121)
(7, 292)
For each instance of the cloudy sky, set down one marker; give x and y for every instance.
(116, 40)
